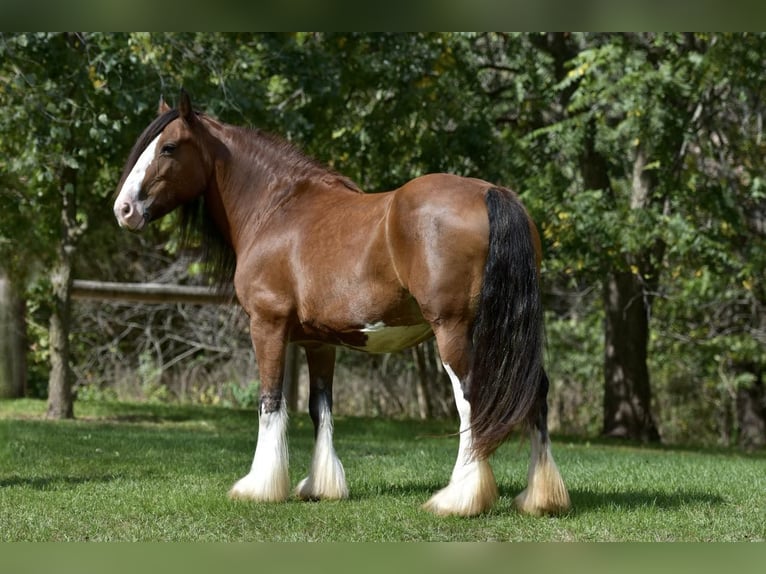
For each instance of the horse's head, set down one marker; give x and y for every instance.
(166, 168)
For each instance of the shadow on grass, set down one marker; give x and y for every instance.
(583, 501)
(162, 413)
(623, 443)
(53, 482)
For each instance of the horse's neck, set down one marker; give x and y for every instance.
(250, 185)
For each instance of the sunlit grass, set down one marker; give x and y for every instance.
(158, 472)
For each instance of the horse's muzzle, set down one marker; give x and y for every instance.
(130, 215)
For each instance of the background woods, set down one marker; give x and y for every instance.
(639, 155)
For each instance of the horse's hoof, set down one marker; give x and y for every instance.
(255, 488)
(473, 492)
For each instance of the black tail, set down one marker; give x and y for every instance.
(506, 370)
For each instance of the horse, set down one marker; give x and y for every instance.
(318, 262)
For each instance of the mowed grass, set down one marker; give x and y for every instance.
(131, 472)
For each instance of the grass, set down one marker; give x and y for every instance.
(130, 472)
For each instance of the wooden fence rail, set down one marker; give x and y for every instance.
(166, 293)
(150, 293)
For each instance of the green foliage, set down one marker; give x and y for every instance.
(524, 110)
(685, 109)
(577, 390)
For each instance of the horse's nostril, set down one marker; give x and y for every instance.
(126, 209)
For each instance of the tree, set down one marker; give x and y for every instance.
(53, 86)
(640, 156)
(83, 97)
(12, 338)
(661, 197)
(614, 124)
(594, 179)
(715, 310)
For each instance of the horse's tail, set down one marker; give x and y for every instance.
(506, 370)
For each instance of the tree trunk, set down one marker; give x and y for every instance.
(441, 397)
(751, 413)
(13, 357)
(627, 392)
(60, 381)
(292, 375)
(423, 384)
(751, 398)
(60, 398)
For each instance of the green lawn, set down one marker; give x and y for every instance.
(160, 473)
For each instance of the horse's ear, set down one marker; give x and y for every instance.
(163, 107)
(185, 107)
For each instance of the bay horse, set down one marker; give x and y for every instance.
(318, 262)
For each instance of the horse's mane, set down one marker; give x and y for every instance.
(198, 229)
(273, 158)
(282, 159)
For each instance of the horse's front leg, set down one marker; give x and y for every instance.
(326, 478)
(268, 478)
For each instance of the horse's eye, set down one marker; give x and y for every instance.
(168, 148)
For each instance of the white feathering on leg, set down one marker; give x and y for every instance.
(326, 479)
(268, 479)
(472, 488)
(545, 492)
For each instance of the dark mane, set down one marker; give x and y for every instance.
(199, 230)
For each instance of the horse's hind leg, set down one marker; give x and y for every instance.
(545, 492)
(326, 478)
(472, 488)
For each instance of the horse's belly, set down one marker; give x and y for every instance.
(382, 338)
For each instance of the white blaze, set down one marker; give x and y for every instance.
(128, 196)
